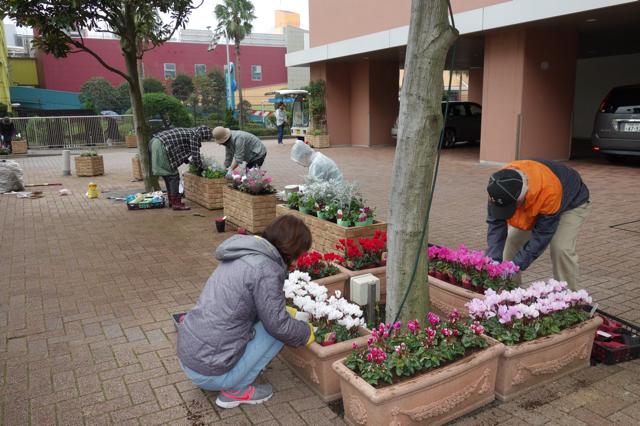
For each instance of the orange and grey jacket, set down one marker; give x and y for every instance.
(553, 188)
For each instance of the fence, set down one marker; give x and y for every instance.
(74, 131)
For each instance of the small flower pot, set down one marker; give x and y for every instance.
(19, 147)
(220, 223)
(344, 223)
(131, 141)
(322, 215)
(304, 210)
(363, 223)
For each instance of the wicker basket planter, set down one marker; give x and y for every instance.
(131, 141)
(326, 234)
(446, 297)
(89, 166)
(252, 212)
(434, 398)
(318, 141)
(204, 191)
(546, 359)
(19, 147)
(136, 168)
(313, 365)
(380, 272)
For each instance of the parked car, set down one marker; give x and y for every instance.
(463, 123)
(616, 130)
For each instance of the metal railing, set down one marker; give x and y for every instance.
(74, 131)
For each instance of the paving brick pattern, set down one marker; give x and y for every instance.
(86, 289)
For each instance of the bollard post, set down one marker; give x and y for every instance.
(371, 304)
(66, 162)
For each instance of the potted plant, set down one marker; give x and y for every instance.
(317, 135)
(459, 275)
(307, 202)
(131, 139)
(366, 256)
(19, 145)
(293, 200)
(338, 329)
(89, 163)
(136, 168)
(206, 188)
(249, 200)
(547, 332)
(428, 373)
(323, 269)
(365, 216)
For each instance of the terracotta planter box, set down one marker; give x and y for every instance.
(380, 272)
(318, 141)
(339, 281)
(19, 147)
(326, 234)
(546, 359)
(252, 212)
(313, 365)
(446, 297)
(136, 168)
(434, 398)
(89, 166)
(206, 192)
(131, 141)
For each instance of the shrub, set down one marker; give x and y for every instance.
(168, 108)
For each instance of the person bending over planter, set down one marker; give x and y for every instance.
(320, 166)
(240, 322)
(534, 204)
(172, 148)
(240, 147)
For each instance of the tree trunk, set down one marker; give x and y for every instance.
(238, 81)
(420, 124)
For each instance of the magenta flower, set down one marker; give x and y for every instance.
(413, 325)
(433, 318)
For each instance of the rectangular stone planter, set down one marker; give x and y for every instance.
(380, 272)
(326, 234)
(446, 297)
(206, 192)
(313, 364)
(318, 141)
(339, 281)
(131, 141)
(19, 147)
(252, 212)
(136, 168)
(89, 166)
(546, 359)
(434, 398)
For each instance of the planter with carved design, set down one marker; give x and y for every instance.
(313, 364)
(446, 297)
(546, 359)
(434, 398)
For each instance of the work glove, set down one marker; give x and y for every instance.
(295, 314)
(312, 334)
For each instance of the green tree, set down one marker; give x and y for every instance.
(152, 85)
(210, 91)
(234, 19)
(139, 26)
(99, 95)
(168, 108)
(182, 87)
(124, 100)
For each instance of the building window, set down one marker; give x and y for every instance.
(256, 72)
(201, 69)
(169, 71)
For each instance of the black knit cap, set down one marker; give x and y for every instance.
(504, 189)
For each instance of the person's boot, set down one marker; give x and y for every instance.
(177, 203)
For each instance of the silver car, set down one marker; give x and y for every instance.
(616, 131)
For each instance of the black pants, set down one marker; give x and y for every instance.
(173, 184)
(256, 163)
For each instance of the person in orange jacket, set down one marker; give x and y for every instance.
(534, 204)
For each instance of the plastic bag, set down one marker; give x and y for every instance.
(10, 176)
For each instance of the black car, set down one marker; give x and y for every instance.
(616, 131)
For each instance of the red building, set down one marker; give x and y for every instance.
(261, 56)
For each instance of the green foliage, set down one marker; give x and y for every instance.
(212, 170)
(99, 95)
(89, 154)
(293, 201)
(342, 333)
(234, 18)
(210, 91)
(123, 97)
(4, 110)
(152, 85)
(182, 87)
(168, 108)
(317, 106)
(229, 121)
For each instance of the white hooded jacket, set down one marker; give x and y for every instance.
(320, 166)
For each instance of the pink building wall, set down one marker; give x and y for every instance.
(384, 105)
(360, 100)
(70, 73)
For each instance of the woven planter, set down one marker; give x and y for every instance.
(252, 212)
(326, 234)
(131, 141)
(446, 297)
(434, 398)
(313, 364)
(544, 360)
(206, 192)
(19, 147)
(380, 272)
(136, 168)
(318, 141)
(89, 166)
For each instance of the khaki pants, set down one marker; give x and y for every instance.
(563, 244)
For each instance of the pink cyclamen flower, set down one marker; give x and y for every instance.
(446, 332)
(354, 345)
(454, 315)
(433, 318)
(476, 327)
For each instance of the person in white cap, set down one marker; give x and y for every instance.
(320, 166)
(240, 147)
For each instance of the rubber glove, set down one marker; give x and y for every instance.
(312, 335)
(292, 311)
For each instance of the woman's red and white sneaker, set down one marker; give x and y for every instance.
(252, 394)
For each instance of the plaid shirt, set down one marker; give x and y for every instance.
(182, 143)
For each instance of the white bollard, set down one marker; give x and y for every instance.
(66, 162)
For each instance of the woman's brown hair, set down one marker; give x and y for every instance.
(289, 235)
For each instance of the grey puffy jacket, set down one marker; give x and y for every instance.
(245, 288)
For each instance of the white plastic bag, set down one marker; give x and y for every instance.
(10, 176)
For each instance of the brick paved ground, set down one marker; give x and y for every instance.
(86, 289)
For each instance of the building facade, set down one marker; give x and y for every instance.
(539, 67)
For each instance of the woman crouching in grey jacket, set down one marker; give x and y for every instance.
(240, 323)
